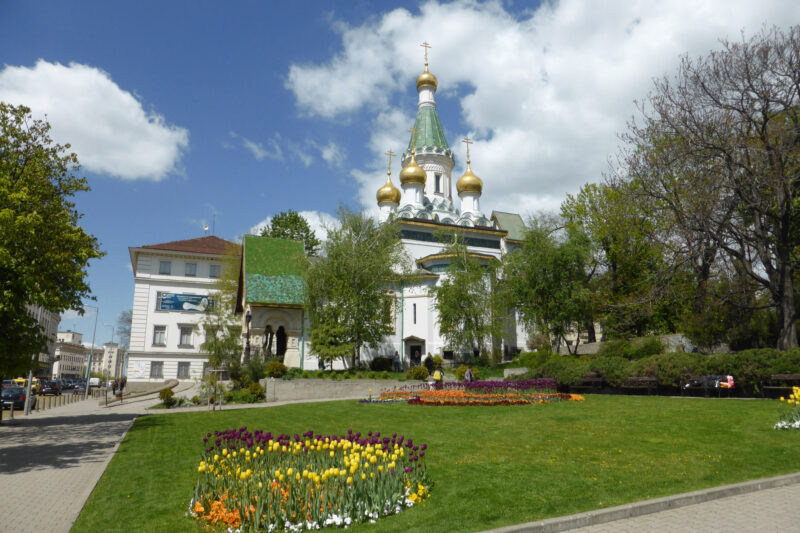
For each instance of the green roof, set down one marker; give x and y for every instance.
(429, 130)
(512, 223)
(272, 272)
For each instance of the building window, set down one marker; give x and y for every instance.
(191, 269)
(213, 271)
(165, 267)
(205, 369)
(186, 337)
(438, 182)
(183, 370)
(414, 312)
(159, 335)
(156, 369)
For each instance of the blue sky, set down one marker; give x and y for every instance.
(185, 113)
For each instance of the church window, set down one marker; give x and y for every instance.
(414, 312)
(438, 183)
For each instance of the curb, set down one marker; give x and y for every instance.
(630, 510)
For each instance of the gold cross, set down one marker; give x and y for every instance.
(391, 155)
(413, 132)
(425, 45)
(467, 142)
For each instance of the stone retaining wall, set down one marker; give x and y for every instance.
(279, 390)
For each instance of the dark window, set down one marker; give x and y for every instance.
(414, 311)
(157, 369)
(191, 269)
(183, 370)
(438, 182)
(165, 267)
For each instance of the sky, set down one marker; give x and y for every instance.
(188, 114)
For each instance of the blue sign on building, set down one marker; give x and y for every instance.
(197, 303)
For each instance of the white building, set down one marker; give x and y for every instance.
(173, 282)
(110, 361)
(70, 355)
(426, 208)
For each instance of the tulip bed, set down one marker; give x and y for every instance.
(482, 393)
(260, 482)
(790, 416)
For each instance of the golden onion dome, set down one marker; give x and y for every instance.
(413, 173)
(427, 79)
(469, 182)
(388, 193)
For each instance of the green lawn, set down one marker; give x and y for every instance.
(492, 466)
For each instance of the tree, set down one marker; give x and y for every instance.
(291, 225)
(124, 328)
(549, 279)
(222, 338)
(349, 301)
(44, 252)
(468, 302)
(720, 142)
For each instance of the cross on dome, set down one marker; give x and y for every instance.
(425, 45)
(390, 154)
(467, 141)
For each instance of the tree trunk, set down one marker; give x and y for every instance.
(787, 339)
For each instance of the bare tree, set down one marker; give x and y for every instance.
(716, 153)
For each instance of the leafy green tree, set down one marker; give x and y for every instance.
(222, 334)
(470, 306)
(720, 142)
(44, 252)
(347, 286)
(291, 225)
(549, 280)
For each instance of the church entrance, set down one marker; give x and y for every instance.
(415, 347)
(274, 342)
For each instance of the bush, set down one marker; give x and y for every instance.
(346, 375)
(276, 369)
(437, 361)
(632, 350)
(670, 368)
(256, 391)
(461, 370)
(359, 375)
(384, 375)
(320, 374)
(418, 372)
(196, 400)
(564, 369)
(532, 360)
(380, 363)
(371, 375)
(167, 397)
(306, 374)
(614, 369)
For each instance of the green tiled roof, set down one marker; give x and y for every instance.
(429, 129)
(512, 223)
(272, 271)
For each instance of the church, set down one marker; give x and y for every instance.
(425, 208)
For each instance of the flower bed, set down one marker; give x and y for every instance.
(790, 416)
(486, 393)
(260, 482)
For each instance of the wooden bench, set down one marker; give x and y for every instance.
(707, 385)
(648, 384)
(591, 382)
(779, 385)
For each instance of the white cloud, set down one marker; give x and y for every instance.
(70, 314)
(105, 125)
(543, 93)
(258, 150)
(317, 220)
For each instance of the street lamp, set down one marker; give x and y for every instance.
(247, 318)
(89, 362)
(107, 365)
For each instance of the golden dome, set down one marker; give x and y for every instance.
(413, 173)
(388, 193)
(427, 79)
(469, 182)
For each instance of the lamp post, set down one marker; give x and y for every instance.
(89, 361)
(107, 365)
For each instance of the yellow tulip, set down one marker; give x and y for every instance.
(783, 399)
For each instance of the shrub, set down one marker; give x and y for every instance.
(320, 374)
(534, 360)
(384, 375)
(256, 391)
(461, 370)
(167, 397)
(564, 369)
(276, 369)
(380, 363)
(437, 361)
(359, 375)
(371, 375)
(418, 372)
(632, 350)
(306, 374)
(346, 375)
(196, 399)
(670, 368)
(614, 369)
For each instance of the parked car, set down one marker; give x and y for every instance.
(16, 396)
(50, 387)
